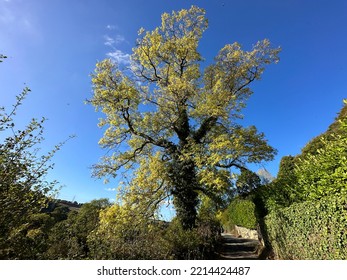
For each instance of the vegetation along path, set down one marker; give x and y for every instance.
(235, 248)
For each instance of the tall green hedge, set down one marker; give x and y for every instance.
(240, 212)
(310, 230)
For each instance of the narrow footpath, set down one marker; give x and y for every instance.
(235, 248)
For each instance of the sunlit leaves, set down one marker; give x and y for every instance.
(23, 187)
(320, 170)
(227, 81)
(324, 173)
(172, 125)
(171, 49)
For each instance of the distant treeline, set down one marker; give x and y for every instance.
(52, 204)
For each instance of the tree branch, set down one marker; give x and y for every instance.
(231, 164)
(204, 128)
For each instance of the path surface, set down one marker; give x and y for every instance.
(234, 248)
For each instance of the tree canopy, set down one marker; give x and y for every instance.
(174, 125)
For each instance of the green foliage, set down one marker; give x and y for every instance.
(68, 237)
(240, 212)
(140, 243)
(178, 125)
(210, 209)
(305, 205)
(29, 240)
(62, 241)
(247, 181)
(283, 187)
(183, 244)
(23, 188)
(123, 234)
(335, 128)
(310, 230)
(280, 192)
(60, 213)
(286, 169)
(324, 173)
(320, 170)
(193, 244)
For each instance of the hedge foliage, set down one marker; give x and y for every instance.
(240, 212)
(310, 230)
(306, 205)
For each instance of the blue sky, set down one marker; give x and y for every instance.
(52, 47)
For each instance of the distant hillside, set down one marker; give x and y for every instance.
(71, 206)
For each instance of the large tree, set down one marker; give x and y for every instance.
(174, 126)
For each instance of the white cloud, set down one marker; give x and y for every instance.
(116, 54)
(111, 189)
(112, 42)
(109, 41)
(111, 27)
(119, 39)
(119, 56)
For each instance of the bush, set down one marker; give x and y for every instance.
(121, 235)
(182, 244)
(137, 244)
(23, 186)
(194, 244)
(319, 171)
(310, 230)
(240, 212)
(324, 173)
(124, 234)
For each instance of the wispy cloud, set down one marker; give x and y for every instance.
(111, 27)
(112, 42)
(119, 56)
(111, 189)
(119, 39)
(116, 54)
(109, 41)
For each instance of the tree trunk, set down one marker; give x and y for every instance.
(184, 181)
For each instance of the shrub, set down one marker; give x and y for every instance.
(124, 234)
(240, 212)
(324, 173)
(136, 244)
(193, 244)
(121, 235)
(319, 171)
(23, 186)
(310, 230)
